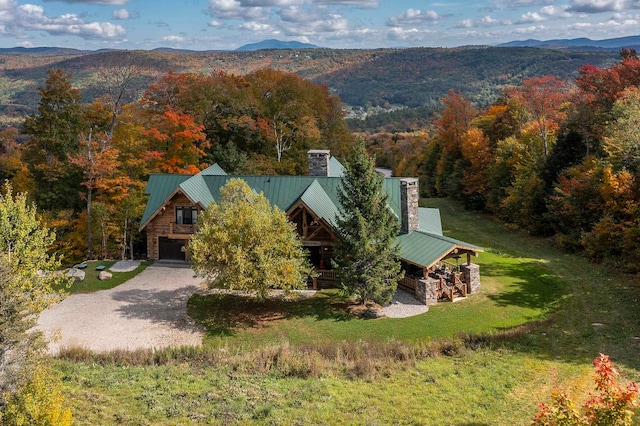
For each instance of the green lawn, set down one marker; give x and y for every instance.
(572, 310)
(515, 291)
(91, 282)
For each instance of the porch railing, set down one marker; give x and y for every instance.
(176, 228)
(325, 274)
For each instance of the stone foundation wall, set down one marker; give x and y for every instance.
(427, 291)
(471, 273)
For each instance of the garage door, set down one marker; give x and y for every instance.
(171, 249)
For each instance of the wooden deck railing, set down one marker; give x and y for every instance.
(444, 290)
(325, 274)
(175, 228)
(408, 283)
(459, 284)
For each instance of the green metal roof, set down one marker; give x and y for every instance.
(159, 187)
(215, 169)
(426, 248)
(320, 203)
(423, 247)
(429, 220)
(336, 169)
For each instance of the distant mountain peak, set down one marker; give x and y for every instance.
(577, 43)
(275, 44)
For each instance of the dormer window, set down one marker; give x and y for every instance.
(186, 215)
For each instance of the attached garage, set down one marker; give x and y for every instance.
(171, 249)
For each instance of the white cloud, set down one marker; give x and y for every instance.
(101, 2)
(556, 11)
(485, 22)
(605, 26)
(331, 23)
(597, 6)
(465, 23)
(19, 19)
(531, 17)
(237, 9)
(513, 4)
(215, 24)
(363, 4)
(530, 30)
(414, 17)
(298, 14)
(174, 39)
(121, 14)
(256, 27)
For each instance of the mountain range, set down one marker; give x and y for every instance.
(384, 78)
(631, 42)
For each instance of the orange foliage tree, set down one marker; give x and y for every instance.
(611, 405)
(543, 97)
(177, 143)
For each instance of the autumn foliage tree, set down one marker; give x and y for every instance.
(244, 243)
(28, 284)
(611, 405)
(543, 98)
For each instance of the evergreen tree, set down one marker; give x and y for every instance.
(366, 256)
(54, 133)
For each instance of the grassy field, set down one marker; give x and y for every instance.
(311, 363)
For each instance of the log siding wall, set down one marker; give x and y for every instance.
(160, 225)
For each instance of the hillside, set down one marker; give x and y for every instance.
(631, 42)
(405, 77)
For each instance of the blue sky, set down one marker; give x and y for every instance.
(228, 24)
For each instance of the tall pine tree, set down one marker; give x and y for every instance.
(366, 256)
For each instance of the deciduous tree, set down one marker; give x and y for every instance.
(243, 243)
(27, 283)
(543, 98)
(611, 405)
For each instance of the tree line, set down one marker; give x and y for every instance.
(554, 157)
(85, 164)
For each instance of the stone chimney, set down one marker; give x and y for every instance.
(319, 162)
(409, 204)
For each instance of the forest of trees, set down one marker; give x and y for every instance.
(555, 157)
(86, 164)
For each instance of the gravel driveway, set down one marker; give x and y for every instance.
(148, 311)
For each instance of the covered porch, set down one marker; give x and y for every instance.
(438, 268)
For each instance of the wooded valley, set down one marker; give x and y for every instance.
(545, 140)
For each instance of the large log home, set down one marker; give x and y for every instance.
(430, 259)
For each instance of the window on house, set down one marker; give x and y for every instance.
(186, 215)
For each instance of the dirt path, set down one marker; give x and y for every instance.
(148, 311)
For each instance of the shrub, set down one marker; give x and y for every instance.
(611, 406)
(38, 402)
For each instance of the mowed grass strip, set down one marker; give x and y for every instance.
(91, 282)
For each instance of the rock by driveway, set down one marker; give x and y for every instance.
(148, 311)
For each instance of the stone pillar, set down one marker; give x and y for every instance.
(319, 162)
(471, 273)
(427, 291)
(409, 204)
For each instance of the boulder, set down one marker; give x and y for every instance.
(104, 275)
(76, 274)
